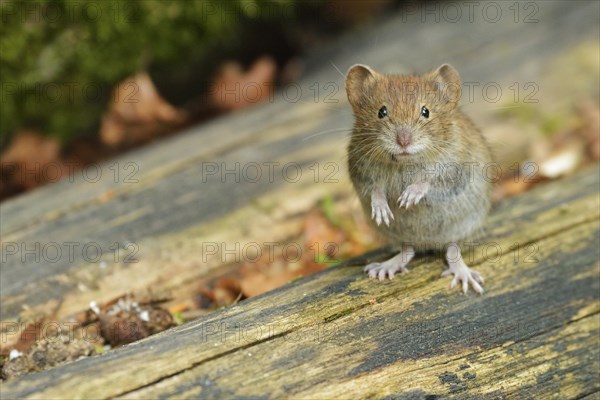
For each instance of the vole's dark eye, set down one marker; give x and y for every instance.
(382, 112)
(425, 112)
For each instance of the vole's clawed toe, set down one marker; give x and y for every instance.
(413, 194)
(461, 272)
(389, 267)
(380, 211)
(384, 270)
(467, 277)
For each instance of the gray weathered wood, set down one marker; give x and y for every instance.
(534, 333)
(171, 206)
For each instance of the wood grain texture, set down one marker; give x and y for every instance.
(534, 332)
(168, 210)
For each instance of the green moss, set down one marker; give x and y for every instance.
(551, 124)
(178, 318)
(523, 112)
(59, 59)
(328, 208)
(99, 349)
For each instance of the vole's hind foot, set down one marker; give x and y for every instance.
(466, 276)
(389, 267)
(461, 272)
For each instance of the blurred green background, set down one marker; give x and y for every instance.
(60, 59)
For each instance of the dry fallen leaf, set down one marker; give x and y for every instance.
(261, 282)
(589, 113)
(510, 187)
(227, 291)
(234, 89)
(30, 161)
(138, 113)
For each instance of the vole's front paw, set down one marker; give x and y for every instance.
(413, 194)
(380, 210)
(465, 275)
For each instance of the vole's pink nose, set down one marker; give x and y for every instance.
(403, 137)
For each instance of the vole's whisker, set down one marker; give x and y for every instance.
(340, 130)
(338, 70)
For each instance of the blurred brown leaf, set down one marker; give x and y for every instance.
(318, 230)
(138, 113)
(30, 161)
(227, 291)
(234, 89)
(589, 113)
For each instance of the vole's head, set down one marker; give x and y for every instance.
(403, 116)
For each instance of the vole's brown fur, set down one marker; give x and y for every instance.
(446, 153)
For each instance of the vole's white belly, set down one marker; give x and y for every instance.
(441, 217)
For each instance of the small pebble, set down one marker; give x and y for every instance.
(14, 353)
(94, 307)
(145, 316)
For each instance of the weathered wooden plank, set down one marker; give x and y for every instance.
(593, 396)
(338, 331)
(516, 339)
(556, 364)
(170, 198)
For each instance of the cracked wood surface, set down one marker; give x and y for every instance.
(534, 333)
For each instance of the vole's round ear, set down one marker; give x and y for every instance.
(449, 82)
(357, 79)
(447, 73)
